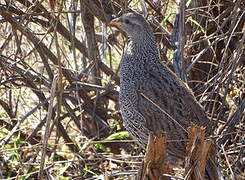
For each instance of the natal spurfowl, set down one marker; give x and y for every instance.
(152, 97)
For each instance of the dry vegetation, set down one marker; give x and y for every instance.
(59, 83)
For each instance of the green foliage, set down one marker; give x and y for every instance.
(28, 174)
(87, 170)
(101, 147)
(114, 136)
(115, 60)
(168, 16)
(117, 135)
(63, 178)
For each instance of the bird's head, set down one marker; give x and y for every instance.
(133, 24)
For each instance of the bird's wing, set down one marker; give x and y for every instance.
(171, 101)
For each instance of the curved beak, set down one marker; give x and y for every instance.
(116, 23)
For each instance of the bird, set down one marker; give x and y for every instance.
(151, 96)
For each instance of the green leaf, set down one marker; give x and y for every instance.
(101, 147)
(87, 170)
(118, 135)
(166, 18)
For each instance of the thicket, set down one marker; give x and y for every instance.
(59, 82)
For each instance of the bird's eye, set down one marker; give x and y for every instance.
(126, 21)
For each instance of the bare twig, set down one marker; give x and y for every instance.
(47, 130)
(16, 127)
(231, 123)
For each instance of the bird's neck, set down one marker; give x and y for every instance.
(138, 56)
(144, 50)
(143, 38)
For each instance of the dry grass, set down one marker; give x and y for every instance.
(85, 137)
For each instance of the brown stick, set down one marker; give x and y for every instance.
(47, 130)
(153, 165)
(198, 153)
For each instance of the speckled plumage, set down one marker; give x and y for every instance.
(151, 96)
